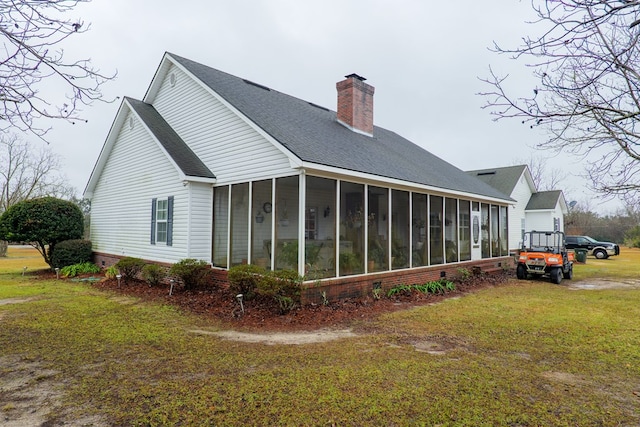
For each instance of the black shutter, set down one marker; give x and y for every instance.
(170, 221)
(153, 221)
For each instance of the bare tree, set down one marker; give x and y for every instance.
(32, 32)
(544, 177)
(28, 173)
(588, 93)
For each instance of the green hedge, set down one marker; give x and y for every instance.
(130, 267)
(283, 286)
(70, 252)
(153, 274)
(193, 273)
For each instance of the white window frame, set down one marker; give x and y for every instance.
(159, 220)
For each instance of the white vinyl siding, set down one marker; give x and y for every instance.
(543, 220)
(136, 172)
(233, 150)
(521, 193)
(539, 221)
(201, 227)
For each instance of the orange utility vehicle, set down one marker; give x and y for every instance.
(544, 254)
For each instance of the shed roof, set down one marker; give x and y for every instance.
(543, 200)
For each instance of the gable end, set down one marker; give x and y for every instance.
(178, 150)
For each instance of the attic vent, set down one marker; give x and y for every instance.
(172, 79)
(256, 84)
(318, 106)
(486, 173)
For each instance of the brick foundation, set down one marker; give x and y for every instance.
(105, 260)
(363, 285)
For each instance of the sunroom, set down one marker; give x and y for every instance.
(307, 222)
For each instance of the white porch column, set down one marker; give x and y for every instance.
(302, 203)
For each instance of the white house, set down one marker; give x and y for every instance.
(533, 209)
(215, 167)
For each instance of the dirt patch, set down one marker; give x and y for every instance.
(30, 395)
(15, 300)
(285, 338)
(564, 378)
(600, 284)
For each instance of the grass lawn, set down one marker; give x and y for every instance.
(528, 353)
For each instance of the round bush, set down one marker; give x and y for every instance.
(130, 267)
(70, 252)
(243, 279)
(44, 222)
(192, 272)
(153, 274)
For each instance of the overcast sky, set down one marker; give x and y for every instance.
(424, 59)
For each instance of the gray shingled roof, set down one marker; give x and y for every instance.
(502, 179)
(543, 200)
(185, 158)
(313, 134)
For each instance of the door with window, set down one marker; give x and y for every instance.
(476, 235)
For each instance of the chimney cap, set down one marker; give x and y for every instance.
(355, 76)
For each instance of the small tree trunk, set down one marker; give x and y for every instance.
(4, 245)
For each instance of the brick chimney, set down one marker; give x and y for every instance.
(355, 104)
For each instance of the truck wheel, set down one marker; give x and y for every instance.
(521, 272)
(600, 254)
(556, 275)
(569, 273)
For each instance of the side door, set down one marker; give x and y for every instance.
(476, 236)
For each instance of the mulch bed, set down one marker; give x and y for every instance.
(263, 314)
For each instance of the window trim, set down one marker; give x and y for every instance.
(155, 221)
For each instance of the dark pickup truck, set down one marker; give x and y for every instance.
(600, 250)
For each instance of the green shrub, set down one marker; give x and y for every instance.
(69, 252)
(283, 286)
(193, 273)
(45, 222)
(76, 269)
(433, 287)
(243, 279)
(153, 274)
(400, 289)
(129, 267)
(464, 274)
(111, 272)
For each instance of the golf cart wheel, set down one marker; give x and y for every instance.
(600, 254)
(569, 273)
(521, 272)
(556, 275)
